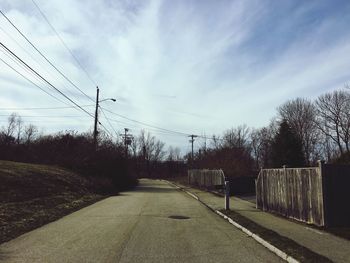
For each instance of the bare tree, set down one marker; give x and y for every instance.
(173, 154)
(158, 153)
(301, 115)
(216, 142)
(333, 117)
(328, 149)
(261, 141)
(150, 148)
(7, 134)
(11, 125)
(19, 126)
(30, 132)
(237, 137)
(134, 147)
(256, 146)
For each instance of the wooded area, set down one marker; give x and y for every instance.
(302, 132)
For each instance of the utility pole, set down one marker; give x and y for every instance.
(192, 141)
(127, 140)
(96, 115)
(96, 118)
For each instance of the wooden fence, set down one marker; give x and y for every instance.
(310, 195)
(206, 178)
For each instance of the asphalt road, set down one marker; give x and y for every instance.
(135, 227)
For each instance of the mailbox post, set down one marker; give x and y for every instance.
(227, 195)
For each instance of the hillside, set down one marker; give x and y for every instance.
(32, 195)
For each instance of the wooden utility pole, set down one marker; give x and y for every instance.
(127, 140)
(192, 141)
(96, 119)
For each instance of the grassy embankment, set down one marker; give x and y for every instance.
(32, 195)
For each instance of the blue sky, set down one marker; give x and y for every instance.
(193, 66)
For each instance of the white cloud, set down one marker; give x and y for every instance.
(178, 64)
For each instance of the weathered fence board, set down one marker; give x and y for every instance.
(292, 192)
(316, 195)
(206, 178)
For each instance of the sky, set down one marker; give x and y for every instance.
(196, 67)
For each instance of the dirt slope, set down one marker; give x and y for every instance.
(32, 195)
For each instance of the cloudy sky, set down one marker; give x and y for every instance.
(198, 66)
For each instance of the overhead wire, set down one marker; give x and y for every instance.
(32, 82)
(110, 124)
(42, 55)
(146, 129)
(46, 81)
(48, 61)
(45, 108)
(145, 124)
(64, 44)
(160, 128)
(22, 66)
(164, 130)
(46, 116)
(108, 132)
(31, 56)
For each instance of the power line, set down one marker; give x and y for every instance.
(59, 91)
(160, 128)
(45, 116)
(21, 65)
(30, 55)
(32, 82)
(110, 124)
(145, 124)
(64, 44)
(109, 133)
(40, 121)
(134, 126)
(46, 108)
(47, 60)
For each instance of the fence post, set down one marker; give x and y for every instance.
(321, 164)
(286, 192)
(284, 169)
(227, 195)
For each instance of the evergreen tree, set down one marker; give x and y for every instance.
(287, 148)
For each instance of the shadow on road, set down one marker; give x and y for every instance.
(249, 198)
(152, 189)
(249, 210)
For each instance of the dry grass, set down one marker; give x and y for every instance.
(33, 195)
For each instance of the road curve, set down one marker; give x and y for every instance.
(136, 226)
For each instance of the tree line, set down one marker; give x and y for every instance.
(145, 156)
(302, 132)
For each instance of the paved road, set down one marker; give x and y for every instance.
(135, 227)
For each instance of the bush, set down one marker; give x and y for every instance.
(75, 152)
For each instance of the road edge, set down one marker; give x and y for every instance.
(257, 238)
